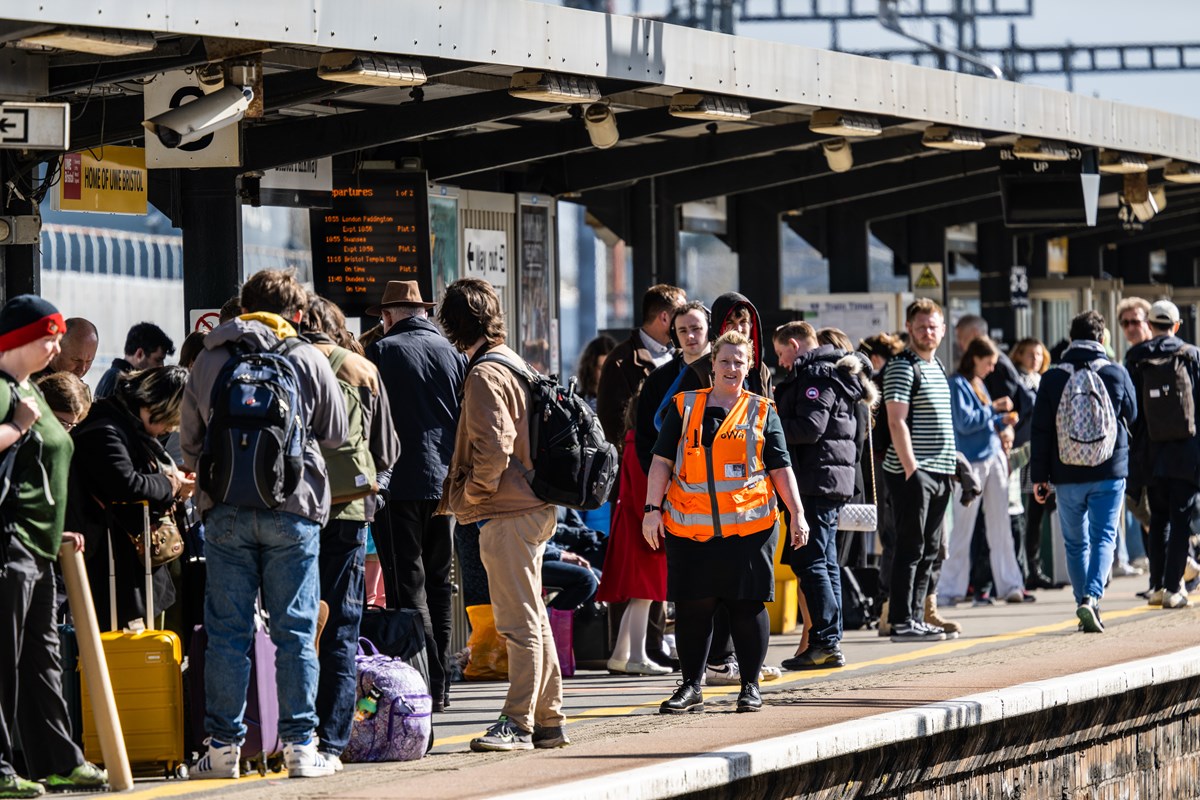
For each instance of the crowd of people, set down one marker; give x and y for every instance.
(719, 455)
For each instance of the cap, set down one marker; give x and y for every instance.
(1164, 312)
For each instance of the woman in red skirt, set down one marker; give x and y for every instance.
(632, 571)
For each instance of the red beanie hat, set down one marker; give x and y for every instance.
(27, 318)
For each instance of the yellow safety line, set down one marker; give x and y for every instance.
(178, 788)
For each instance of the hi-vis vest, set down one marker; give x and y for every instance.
(721, 490)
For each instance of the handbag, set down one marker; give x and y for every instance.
(166, 540)
(862, 516)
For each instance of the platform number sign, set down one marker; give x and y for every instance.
(1018, 287)
(171, 90)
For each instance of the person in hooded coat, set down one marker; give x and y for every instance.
(733, 311)
(818, 406)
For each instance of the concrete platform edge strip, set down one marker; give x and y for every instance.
(721, 767)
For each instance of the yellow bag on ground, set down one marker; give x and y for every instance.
(489, 650)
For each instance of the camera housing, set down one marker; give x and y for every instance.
(200, 117)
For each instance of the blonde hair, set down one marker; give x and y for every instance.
(735, 339)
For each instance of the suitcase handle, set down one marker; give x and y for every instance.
(364, 640)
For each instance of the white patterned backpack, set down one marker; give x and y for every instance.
(1086, 421)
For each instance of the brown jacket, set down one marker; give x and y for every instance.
(491, 449)
(624, 370)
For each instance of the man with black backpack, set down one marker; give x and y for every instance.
(1166, 449)
(259, 404)
(487, 485)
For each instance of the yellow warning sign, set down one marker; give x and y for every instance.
(926, 280)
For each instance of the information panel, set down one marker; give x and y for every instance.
(376, 230)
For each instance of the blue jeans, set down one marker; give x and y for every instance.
(1088, 514)
(343, 584)
(816, 565)
(249, 550)
(575, 584)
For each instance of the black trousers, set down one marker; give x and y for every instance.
(418, 549)
(31, 696)
(1172, 510)
(920, 504)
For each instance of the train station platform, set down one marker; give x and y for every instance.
(1020, 669)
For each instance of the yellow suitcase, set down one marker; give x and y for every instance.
(146, 670)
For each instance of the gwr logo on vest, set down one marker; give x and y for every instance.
(733, 435)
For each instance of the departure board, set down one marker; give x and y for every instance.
(376, 230)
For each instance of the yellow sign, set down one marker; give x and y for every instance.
(926, 280)
(1056, 255)
(109, 179)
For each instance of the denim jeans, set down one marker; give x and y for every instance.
(575, 584)
(816, 565)
(1088, 514)
(248, 551)
(343, 566)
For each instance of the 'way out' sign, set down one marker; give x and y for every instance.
(35, 126)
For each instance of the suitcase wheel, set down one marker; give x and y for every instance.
(180, 772)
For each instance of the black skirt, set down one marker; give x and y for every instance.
(731, 568)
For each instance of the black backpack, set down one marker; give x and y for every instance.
(573, 464)
(1167, 401)
(253, 453)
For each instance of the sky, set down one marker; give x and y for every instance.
(1055, 22)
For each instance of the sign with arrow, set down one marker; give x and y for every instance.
(35, 126)
(485, 255)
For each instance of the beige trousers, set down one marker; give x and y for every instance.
(511, 549)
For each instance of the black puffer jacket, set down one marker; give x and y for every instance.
(820, 420)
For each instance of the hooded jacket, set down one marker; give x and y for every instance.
(1044, 463)
(324, 409)
(817, 406)
(759, 379)
(1162, 459)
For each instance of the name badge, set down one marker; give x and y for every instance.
(735, 470)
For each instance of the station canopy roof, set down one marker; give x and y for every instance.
(757, 101)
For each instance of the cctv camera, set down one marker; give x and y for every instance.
(601, 125)
(200, 117)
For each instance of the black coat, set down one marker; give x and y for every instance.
(654, 391)
(1161, 459)
(620, 378)
(818, 406)
(1006, 382)
(423, 375)
(116, 464)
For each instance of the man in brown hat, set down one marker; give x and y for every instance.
(423, 375)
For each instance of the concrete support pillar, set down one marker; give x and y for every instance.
(1181, 267)
(755, 237)
(840, 236)
(994, 258)
(19, 264)
(1084, 259)
(655, 236)
(211, 219)
(1133, 263)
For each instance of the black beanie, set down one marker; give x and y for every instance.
(27, 318)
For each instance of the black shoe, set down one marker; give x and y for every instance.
(663, 660)
(1040, 581)
(816, 658)
(687, 697)
(749, 698)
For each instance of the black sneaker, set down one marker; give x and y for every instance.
(1089, 616)
(816, 658)
(749, 699)
(503, 736)
(549, 738)
(687, 697)
(915, 632)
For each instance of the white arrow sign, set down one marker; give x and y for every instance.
(35, 126)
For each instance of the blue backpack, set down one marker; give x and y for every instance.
(253, 453)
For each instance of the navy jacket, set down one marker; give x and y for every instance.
(423, 375)
(1162, 459)
(817, 407)
(1044, 463)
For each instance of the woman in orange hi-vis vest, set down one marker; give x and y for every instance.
(718, 463)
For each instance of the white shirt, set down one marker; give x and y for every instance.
(659, 353)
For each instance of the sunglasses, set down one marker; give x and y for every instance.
(1129, 323)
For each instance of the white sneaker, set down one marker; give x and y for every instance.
(1175, 600)
(1191, 571)
(303, 760)
(728, 674)
(333, 761)
(770, 674)
(221, 761)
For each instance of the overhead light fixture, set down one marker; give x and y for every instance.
(601, 124)
(1114, 162)
(1143, 201)
(370, 70)
(838, 154)
(1034, 149)
(553, 87)
(843, 123)
(712, 107)
(946, 137)
(1181, 172)
(106, 42)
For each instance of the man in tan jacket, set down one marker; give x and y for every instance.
(487, 485)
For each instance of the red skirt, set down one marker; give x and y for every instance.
(632, 571)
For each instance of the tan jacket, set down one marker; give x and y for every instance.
(491, 449)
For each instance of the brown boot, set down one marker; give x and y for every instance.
(885, 627)
(932, 617)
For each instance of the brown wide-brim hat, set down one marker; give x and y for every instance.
(400, 293)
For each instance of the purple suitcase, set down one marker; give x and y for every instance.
(262, 748)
